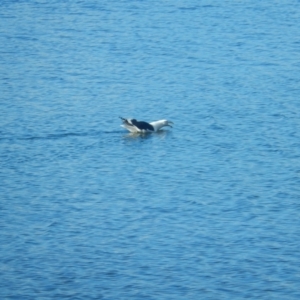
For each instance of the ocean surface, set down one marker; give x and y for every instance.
(208, 209)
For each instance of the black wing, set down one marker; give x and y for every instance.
(142, 125)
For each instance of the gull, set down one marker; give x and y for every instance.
(142, 127)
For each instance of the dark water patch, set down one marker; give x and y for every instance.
(61, 136)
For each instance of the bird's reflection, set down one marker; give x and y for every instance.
(161, 134)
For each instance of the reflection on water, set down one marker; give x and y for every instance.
(162, 134)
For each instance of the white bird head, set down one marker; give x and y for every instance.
(161, 123)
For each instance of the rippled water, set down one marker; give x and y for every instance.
(206, 210)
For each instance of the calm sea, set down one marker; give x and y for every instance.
(208, 209)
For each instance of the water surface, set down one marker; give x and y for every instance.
(206, 210)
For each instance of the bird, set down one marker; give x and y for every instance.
(135, 126)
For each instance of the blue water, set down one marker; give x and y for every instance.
(208, 209)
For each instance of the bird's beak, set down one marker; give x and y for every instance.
(170, 122)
